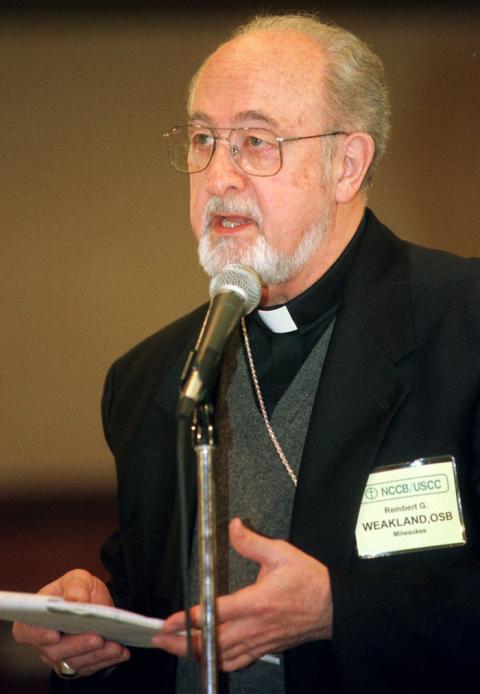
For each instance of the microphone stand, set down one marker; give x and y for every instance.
(204, 446)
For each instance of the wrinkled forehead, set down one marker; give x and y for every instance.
(275, 73)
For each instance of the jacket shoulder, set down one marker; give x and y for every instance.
(433, 273)
(443, 267)
(154, 365)
(162, 349)
(445, 282)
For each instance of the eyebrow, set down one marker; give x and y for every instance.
(256, 115)
(198, 115)
(242, 116)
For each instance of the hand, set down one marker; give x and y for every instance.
(85, 653)
(290, 603)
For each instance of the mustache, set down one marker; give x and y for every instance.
(217, 205)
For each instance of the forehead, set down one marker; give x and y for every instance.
(270, 76)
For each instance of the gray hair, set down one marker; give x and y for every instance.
(356, 93)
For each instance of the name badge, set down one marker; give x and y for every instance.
(411, 506)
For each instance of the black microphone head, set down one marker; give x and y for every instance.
(240, 279)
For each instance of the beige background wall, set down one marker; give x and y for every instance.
(96, 250)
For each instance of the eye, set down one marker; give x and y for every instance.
(201, 140)
(256, 142)
(259, 143)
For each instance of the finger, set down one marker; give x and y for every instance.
(75, 585)
(177, 645)
(177, 622)
(238, 605)
(34, 636)
(237, 663)
(72, 646)
(233, 653)
(256, 547)
(82, 586)
(87, 670)
(103, 665)
(111, 653)
(246, 637)
(100, 593)
(237, 655)
(79, 585)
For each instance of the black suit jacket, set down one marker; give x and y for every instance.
(401, 381)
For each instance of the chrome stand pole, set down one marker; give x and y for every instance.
(204, 447)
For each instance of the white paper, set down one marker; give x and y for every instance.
(114, 624)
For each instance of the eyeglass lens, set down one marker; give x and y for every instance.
(255, 150)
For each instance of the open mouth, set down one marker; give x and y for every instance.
(222, 223)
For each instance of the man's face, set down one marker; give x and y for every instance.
(278, 223)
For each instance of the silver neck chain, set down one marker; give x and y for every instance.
(263, 409)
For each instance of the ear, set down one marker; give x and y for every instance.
(356, 154)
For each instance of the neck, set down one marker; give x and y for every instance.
(345, 223)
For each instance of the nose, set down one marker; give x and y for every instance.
(223, 174)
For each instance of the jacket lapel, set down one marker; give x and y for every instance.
(359, 392)
(160, 503)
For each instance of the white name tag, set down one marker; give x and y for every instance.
(409, 507)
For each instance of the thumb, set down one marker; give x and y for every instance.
(253, 546)
(81, 586)
(77, 586)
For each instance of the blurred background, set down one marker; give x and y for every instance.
(96, 247)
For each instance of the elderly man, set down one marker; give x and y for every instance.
(363, 359)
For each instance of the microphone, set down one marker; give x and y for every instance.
(234, 293)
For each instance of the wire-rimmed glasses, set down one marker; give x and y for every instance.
(257, 151)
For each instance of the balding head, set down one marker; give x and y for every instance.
(349, 74)
(279, 185)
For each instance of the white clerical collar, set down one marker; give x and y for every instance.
(278, 320)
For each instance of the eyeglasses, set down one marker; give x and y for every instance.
(257, 151)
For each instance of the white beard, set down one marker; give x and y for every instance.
(273, 266)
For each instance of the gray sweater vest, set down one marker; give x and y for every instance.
(252, 483)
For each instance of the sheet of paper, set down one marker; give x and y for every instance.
(114, 624)
(128, 628)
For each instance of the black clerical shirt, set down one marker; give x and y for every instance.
(279, 356)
